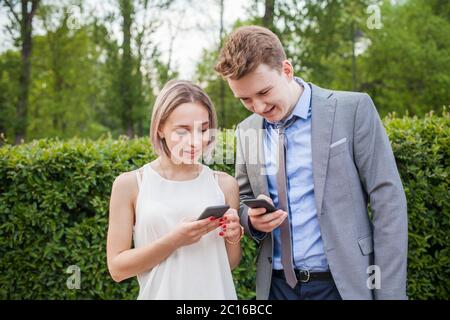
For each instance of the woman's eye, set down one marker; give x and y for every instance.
(181, 132)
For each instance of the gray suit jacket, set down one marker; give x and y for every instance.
(353, 165)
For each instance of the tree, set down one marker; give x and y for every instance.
(24, 19)
(10, 66)
(269, 11)
(407, 66)
(127, 91)
(69, 83)
(318, 38)
(404, 65)
(133, 103)
(151, 72)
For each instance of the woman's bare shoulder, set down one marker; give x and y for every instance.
(226, 181)
(127, 182)
(126, 179)
(230, 188)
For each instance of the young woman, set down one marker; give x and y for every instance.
(176, 256)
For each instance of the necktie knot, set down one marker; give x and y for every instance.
(283, 125)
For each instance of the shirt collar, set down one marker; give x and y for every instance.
(303, 105)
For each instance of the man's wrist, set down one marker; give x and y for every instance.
(259, 235)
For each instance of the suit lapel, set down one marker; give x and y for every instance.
(322, 113)
(259, 171)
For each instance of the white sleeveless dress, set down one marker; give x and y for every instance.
(197, 271)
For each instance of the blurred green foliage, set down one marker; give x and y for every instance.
(54, 199)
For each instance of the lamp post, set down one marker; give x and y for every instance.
(356, 35)
(222, 85)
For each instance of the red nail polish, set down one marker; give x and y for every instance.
(212, 218)
(221, 233)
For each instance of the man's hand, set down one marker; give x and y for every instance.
(265, 222)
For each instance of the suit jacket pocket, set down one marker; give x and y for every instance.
(366, 245)
(338, 148)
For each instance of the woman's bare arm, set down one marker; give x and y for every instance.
(230, 188)
(124, 261)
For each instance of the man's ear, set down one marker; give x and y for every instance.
(288, 69)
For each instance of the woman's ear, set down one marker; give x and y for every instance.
(160, 134)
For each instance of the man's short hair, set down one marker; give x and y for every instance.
(246, 48)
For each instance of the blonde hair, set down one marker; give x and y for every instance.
(173, 94)
(246, 48)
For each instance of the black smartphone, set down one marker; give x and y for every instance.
(259, 203)
(214, 211)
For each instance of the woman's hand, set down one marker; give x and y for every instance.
(189, 232)
(231, 228)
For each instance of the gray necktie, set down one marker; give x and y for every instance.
(285, 230)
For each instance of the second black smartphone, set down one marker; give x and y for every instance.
(259, 203)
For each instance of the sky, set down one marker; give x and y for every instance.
(193, 24)
(190, 42)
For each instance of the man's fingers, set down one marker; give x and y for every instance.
(264, 197)
(278, 221)
(270, 221)
(267, 218)
(254, 212)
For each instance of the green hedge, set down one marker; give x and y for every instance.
(54, 199)
(422, 151)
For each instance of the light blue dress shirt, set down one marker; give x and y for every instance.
(308, 250)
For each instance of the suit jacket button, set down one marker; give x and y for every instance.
(270, 259)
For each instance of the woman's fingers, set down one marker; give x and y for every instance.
(229, 223)
(231, 227)
(204, 223)
(231, 231)
(196, 229)
(231, 215)
(211, 225)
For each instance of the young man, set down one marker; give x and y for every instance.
(321, 156)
